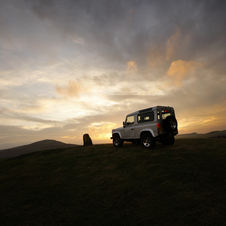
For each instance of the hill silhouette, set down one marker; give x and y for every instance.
(36, 146)
(213, 134)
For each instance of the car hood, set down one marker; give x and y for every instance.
(119, 128)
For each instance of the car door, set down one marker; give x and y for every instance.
(129, 127)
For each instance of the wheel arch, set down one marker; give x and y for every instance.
(117, 133)
(147, 131)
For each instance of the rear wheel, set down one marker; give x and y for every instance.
(117, 141)
(168, 141)
(171, 140)
(148, 141)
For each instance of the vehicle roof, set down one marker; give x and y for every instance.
(149, 109)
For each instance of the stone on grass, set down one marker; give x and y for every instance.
(87, 140)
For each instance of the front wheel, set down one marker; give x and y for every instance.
(117, 141)
(148, 141)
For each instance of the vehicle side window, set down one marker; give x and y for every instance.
(158, 113)
(130, 120)
(145, 117)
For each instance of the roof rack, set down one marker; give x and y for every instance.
(145, 110)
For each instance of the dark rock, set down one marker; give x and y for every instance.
(87, 140)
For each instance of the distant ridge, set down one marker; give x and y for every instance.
(213, 134)
(36, 146)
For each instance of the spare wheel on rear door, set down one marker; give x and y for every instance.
(170, 124)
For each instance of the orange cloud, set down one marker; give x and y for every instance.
(178, 70)
(154, 56)
(71, 90)
(172, 43)
(132, 66)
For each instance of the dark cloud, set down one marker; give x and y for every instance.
(43, 9)
(119, 31)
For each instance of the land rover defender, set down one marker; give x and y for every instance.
(147, 126)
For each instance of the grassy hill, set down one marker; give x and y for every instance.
(183, 184)
(36, 146)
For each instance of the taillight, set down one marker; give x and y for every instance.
(159, 127)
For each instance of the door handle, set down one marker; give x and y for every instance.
(132, 129)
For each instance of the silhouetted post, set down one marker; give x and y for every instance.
(87, 140)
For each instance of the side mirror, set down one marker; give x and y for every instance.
(124, 124)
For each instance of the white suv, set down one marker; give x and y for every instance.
(147, 126)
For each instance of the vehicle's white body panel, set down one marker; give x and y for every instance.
(134, 131)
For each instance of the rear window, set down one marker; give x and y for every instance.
(145, 117)
(165, 114)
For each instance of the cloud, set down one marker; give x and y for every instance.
(205, 119)
(132, 66)
(73, 89)
(155, 55)
(101, 130)
(23, 118)
(76, 39)
(178, 70)
(42, 8)
(172, 43)
(129, 14)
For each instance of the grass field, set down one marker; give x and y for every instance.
(184, 184)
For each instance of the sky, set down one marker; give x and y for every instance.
(73, 67)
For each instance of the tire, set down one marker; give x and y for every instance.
(117, 141)
(148, 141)
(170, 124)
(169, 141)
